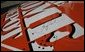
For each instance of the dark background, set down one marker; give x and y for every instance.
(7, 5)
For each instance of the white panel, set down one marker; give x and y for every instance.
(58, 35)
(49, 27)
(36, 47)
(41, 15)
(79, 31)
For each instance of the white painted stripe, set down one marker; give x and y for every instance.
(49, 27)
(25, 3)
(18, 35)
(15, 17)
(76, 1)
(31, 11)
(8, 17)
(11, 12)
(14, 32)
(28, 3)
(40, 8)
(52, 1)
(11, 27)
(11, 22)
(41, 15)
(79, 31)
(23, 12)
(58, 3)
(32, 5)
(10, 47)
